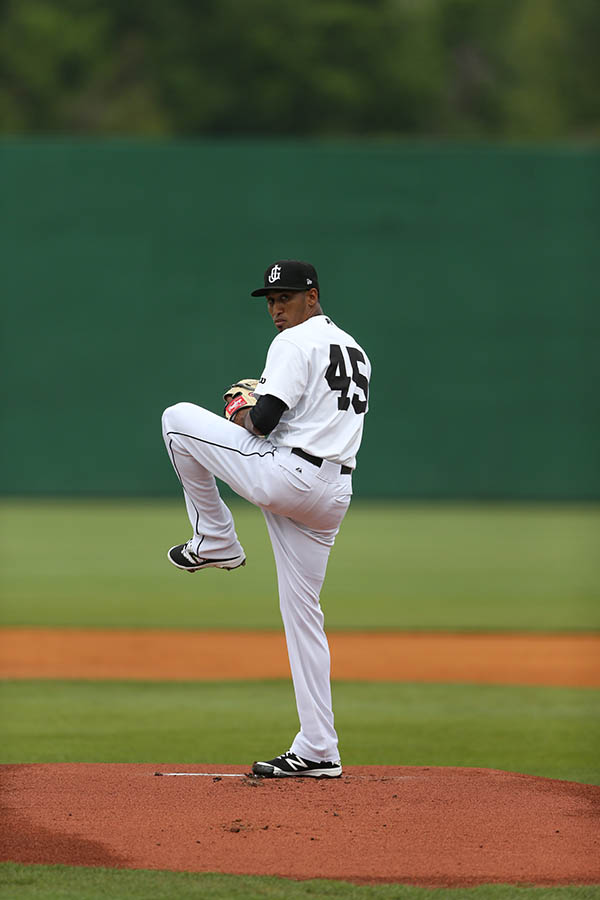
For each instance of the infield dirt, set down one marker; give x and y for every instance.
(429, 826)
(569, 660)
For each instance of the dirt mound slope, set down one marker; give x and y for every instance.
(428, 826)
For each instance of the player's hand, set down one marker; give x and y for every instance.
(238, 398)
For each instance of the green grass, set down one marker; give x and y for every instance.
(63, 882)
(102, 563)
(554, 732)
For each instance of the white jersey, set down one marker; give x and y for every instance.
(322, 375)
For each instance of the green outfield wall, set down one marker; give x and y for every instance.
(470, 275)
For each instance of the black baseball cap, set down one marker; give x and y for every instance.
(288, 275)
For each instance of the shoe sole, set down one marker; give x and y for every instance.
(266, 771)
(209, 565)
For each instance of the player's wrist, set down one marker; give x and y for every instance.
(239, 418)
(250, 426)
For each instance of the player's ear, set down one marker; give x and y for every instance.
(312, 297)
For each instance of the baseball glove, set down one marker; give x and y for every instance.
(239, 396)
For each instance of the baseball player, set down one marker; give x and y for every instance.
(288, 444)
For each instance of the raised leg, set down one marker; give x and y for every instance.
(201, 445)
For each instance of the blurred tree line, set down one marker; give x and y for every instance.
(525, 69)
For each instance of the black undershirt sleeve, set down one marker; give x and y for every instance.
(267, 413)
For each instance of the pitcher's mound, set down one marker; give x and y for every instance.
(428, 826)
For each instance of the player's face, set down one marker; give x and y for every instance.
(289, 308)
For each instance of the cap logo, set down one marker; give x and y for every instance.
(309, 280)
(274, 274)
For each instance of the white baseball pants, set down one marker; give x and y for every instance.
(303, 506)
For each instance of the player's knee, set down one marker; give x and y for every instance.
(166, 418)
(173, 415)
(183, 416)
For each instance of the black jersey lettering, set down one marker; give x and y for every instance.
(338, 379)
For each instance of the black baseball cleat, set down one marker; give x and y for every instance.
(289, 765)
(184, 558)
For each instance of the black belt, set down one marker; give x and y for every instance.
(317, 461)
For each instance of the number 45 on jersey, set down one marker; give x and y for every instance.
(340, 360)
